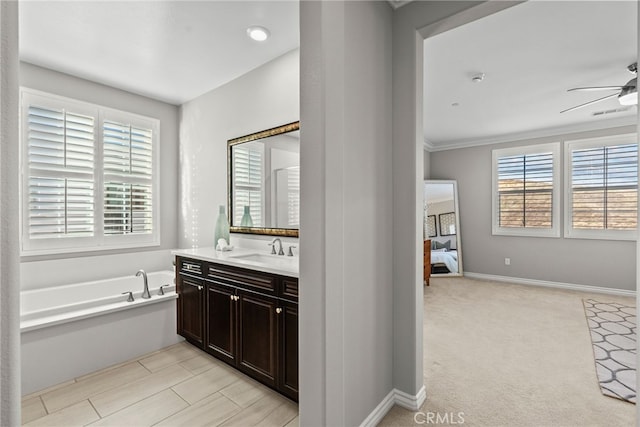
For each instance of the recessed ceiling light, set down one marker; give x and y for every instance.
(258, 33)
(478, 78)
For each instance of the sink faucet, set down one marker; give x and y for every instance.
(145, 293)
(273, 246)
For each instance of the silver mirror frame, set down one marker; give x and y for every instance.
(456, 207)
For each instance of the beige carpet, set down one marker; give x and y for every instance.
(511, 355)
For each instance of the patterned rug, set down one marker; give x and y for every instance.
(613, 334)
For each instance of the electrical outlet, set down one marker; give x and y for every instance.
(507, 261)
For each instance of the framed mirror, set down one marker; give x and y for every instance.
(441, 201)
(264, 181)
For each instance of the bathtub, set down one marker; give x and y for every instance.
(71, 330)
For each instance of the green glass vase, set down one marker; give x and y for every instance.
(246, 218)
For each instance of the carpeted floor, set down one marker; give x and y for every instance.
(510, 355)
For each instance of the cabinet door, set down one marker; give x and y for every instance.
(221, 322)
(258, 337)
(288, 375)
(190, 304)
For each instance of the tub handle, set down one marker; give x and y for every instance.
(161, 291)
(130, 299)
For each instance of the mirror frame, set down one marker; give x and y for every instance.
(456, 209)
(278, 130)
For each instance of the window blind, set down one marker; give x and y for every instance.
(247, 179)
(128, 172)
(60, 150)
(604, 187)
(525, 191)
(293, 196)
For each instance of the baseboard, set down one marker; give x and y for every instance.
(408, 401)
(380, 411)
(395, 397)
(544, 283)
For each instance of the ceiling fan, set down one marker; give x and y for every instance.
(627, 94)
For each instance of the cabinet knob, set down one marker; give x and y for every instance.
(278, 310)
(236, 298)
(199, 288)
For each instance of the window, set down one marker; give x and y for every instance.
(247, 180)
(602, 187)
(525, 191)
(88, 176)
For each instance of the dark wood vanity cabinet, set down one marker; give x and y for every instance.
(258, 318)
(220, 322)
(248, 319)
(190, 304)
(289, 349)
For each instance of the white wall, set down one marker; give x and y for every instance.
(603, 263)
(346, 300)
(264, 98)
(44, 271)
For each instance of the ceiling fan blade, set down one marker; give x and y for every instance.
(593, 88)
(589, 103)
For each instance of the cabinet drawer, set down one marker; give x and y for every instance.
(190, 266)
(243, 278)
(289, 288)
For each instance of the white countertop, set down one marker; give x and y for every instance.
(246, 258)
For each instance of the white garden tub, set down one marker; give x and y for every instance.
(71, 330)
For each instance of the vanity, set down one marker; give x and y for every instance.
(242, 308)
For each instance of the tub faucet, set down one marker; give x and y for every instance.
(145, 293)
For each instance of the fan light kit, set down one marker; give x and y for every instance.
(627, 95)
(258, 33)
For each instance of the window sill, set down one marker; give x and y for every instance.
(41, 254)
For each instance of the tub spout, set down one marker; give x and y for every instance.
(145, 292)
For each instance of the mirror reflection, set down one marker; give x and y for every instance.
(264, 182)
(441, 227)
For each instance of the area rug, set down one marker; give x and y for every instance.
(613, 335)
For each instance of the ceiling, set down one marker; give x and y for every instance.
(530, 54)
(172, 51)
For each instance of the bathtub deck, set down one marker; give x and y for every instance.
(178, 385)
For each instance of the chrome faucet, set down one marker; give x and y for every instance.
(145, 293)
(273, 246)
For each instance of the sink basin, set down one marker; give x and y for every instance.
(265, 259)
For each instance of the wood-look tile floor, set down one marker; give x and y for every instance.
(176, 386)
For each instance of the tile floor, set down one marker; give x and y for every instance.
(176, 386)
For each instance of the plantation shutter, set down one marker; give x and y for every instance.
(128, 172)
(525, 191)
(293, 195)
(60, 150)
(604, 187)
(247, 179)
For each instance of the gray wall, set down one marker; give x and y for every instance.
(411, 24)
(9, 260)
(346, 354)
(263, 98)
(52, 270)
(605, 263)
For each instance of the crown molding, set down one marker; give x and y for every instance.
(396, 4)
(540, 133)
